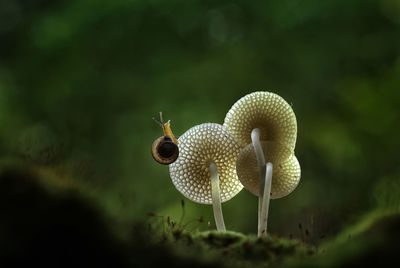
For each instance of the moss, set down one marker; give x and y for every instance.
(233, 249)
(371, 241)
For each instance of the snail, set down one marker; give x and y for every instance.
(165, 149)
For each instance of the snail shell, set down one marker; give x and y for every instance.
(164, 150)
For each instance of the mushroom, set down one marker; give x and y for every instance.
(266, 111)
(286, 174)
(205, 171)
(263, 116)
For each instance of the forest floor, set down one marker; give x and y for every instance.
(58, 226)
(373, 239)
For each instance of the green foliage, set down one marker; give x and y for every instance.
(387, 193)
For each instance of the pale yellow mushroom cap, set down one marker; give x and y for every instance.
(197, 148)
(266, 111)
(285, 174)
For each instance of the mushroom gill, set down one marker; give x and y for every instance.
(286, 174)
(205, 171)
(264, 110)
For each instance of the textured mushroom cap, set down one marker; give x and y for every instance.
(266, 111)
(197, 148)
(285, 173)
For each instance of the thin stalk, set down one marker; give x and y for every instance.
(255, 138)
(266, 197)
(216, 198)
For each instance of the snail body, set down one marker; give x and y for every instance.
(165, 148)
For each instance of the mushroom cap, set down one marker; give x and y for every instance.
(197, 148)
(264, 110)
(285, 174)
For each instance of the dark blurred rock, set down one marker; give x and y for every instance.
(48, 226)
(49, 230)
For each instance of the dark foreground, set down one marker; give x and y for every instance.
(53, 226)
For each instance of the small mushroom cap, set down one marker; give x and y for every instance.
(264, 110)
(285, 173)
(197, 148)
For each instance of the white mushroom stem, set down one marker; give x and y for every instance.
(216, 198)
(266, 197)
(255, 138)
(265, 171)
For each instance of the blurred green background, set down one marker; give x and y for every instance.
(80, 81)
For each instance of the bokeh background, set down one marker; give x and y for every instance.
(80, 81)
